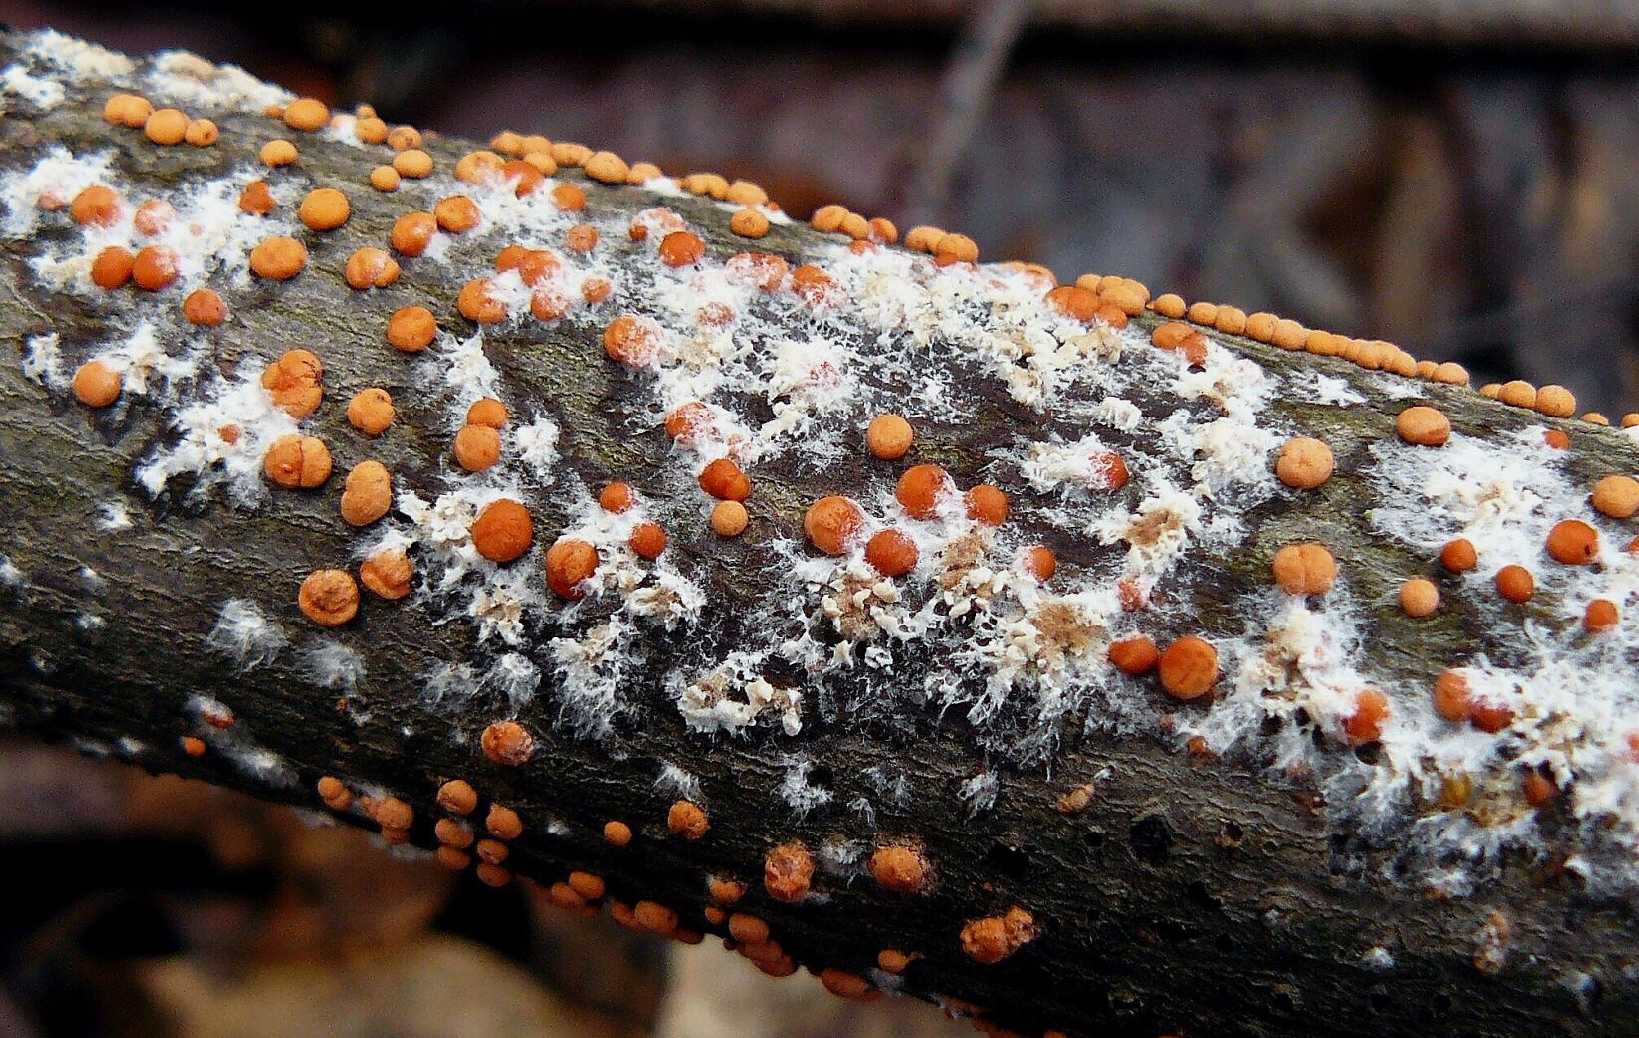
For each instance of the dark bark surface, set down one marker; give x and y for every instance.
(1195, 896)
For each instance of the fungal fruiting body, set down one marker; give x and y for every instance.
(815, 515)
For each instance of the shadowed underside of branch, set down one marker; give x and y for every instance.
(1234, 865)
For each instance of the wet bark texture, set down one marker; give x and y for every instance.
(1194, 896)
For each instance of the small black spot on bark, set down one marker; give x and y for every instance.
(1151, 839)
(1012, 862)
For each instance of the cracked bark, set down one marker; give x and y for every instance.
(1192, 896)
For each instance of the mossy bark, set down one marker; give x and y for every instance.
(1194, 896)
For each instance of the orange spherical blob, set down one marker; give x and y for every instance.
(1304, 463)
(411, 329)
(616, 497)
(1365, 724)
(888, 436)
(387, 573)
(98, 204)
(329, 597)
(96, 384)
(367, 494)
(1616, 497)
(1423, 426)
(919, 489)
(1459, 556)
(278, 258)
(1516, 584)
(256, 199)
(632, 341)
(1452, 699)
(788, 871)
(508, 743)
(324, 209)
(1135, 655)
(503, 822)
(1573, 542)
(1188, 667)
(412, 233)
(724, 480)
(569, 562)
(456, 214)
(155, 267)
(477, 447)
(891, 552)
(987, 504)
(648, 540)
(1304, 569)
(477, 302)
(487, 411)
(204, 307)
(1419, 598)
(297, 461)
(307, 114)
(111, 268)
(503, 531)
(1490, 717)
(1040, 562)
(294, 382)
(729, 519)
(899, 868)
(687, 819)
(1073, 301)
(681, 248)
(832, 523)
(1600, 615)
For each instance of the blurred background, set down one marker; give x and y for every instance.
(1458, 176)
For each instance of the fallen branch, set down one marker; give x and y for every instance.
(968, 780)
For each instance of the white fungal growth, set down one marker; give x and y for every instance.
(449, 687)
(43, 361)
(678, 782)
(980, 793)
(734, 696)
(536, 443)
(56, 176)
(113, 517)
(1378, 958)
(331, 664)
(221, 439)
(77, 57)
(42, 93)
(10, 576)
(186, 80)
(801, 795)
(245, 635)
(516, 677)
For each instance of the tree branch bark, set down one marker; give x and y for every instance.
(1197, 893)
